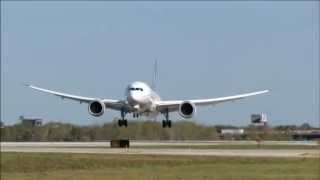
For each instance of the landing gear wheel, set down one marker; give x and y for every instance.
(125, 123)
(164, 123)
(169, 123)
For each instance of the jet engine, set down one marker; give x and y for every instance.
(187, 109)
(96, 108)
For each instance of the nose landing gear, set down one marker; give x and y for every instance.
(135, 115)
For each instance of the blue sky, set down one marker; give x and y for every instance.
(204, 49)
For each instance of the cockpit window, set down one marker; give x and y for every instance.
(135, 89)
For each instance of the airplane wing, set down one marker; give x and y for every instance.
(174, 105)
(109, 103)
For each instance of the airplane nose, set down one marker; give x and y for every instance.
(133, 98)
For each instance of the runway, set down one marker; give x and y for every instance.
(164, 148)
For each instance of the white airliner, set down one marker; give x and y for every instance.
(141, 99)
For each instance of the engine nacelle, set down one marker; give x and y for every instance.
(187, 109)
(96, 108)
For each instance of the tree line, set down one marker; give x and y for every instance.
(138, 130)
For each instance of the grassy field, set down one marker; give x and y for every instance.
(34, 166)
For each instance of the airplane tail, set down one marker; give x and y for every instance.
(155, 76)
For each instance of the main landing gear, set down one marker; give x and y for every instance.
(166, 122)
(123, 121)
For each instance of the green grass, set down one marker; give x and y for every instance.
(50, 166)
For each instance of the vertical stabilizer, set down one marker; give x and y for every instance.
(155, 76)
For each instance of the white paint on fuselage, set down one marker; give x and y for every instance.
(141, 97)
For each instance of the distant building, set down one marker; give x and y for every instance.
(231, 134)
(31, 121)
(306, 134)
(259, 119)
(231, 131)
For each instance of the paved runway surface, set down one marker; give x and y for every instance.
(104, 148)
